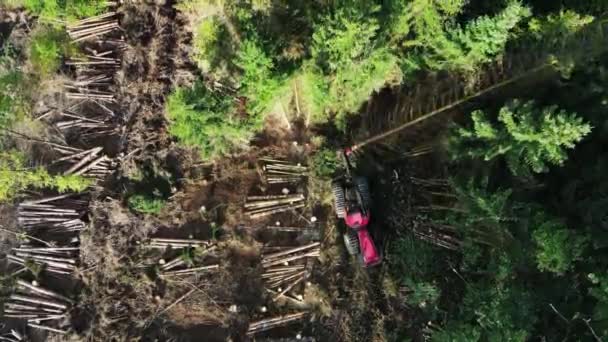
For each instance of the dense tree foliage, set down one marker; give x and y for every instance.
(52, 10)
(529, 138)
(322, 61)
(534, 238)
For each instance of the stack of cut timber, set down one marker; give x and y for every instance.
(310, 233)
(280, 171)
(76, 121)
(93, 27)
(274, 322)
(90, 94)
(47, 213)
(279, 275)
(292, 229)
(189, 271)
(57, 260)
(163, 243)
(12, 336)
(97, 80)
(95, 73)
(66, 151)
(179, 266)
(259, 206)
(99, 61)
(89, 163)
(42, 308)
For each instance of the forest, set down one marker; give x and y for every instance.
(168, 170)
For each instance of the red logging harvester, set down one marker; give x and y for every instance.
(352, 201)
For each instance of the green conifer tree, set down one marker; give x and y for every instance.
(441, 44)
(258, 83)
(482, 215)
(347, 49)
(529, 137)
(557, 246)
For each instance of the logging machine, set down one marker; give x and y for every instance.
(352, 201)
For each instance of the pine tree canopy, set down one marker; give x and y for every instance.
(529, 137)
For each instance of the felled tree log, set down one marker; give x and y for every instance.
(47, 328)
(269, 257)
(190, 271)
(161, 243)
(280, 171)
(274, 322)
(93, 27)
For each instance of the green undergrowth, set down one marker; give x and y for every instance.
(149, 187)
(15, 101)
(209, 121)
(147, 204)
(16, 175)
(324, 163)
(47, 48)
(55, 11)
(20, 81)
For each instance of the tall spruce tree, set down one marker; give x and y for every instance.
(529, 137)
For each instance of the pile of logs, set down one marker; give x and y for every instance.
(98, 60)
(179, 266)
(59, 213)
(280, 171)
(12, 336)
(312, 250)
(88, 163)
(287, 276)
(188, 271)
(39, 306)
(259, 206)
(82, 93)
(164, 243)
(93, 27)
(280, 228)
(281, 277)
(274, 322)
(95, 75)
(87, 115)
(70, 120)
(57, 260)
